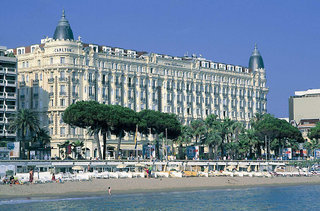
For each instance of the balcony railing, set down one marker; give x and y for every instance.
(1, 94)
(11, 83)
(22, 83)
(36, 82)
(2, 82)
(11, 95)
(50, 94)
(11, 107)
(62, 93)
(2, 70)
(62, 79)
(50, 80)
(75, 94)
(75, 80)
(11, 70)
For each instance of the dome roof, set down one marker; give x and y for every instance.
(256, 60)
(63, 30)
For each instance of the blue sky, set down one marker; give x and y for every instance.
(287, 32)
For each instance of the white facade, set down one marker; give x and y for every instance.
(59, 72)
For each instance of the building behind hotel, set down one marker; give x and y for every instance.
(304, 110)
(62, 70)
(8, 103)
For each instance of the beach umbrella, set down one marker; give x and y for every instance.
(78, 168)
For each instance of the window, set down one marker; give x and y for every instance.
(62, 60)
(62, 131)
(51, 60)
(62, 75)
(40, 76)
(62, 88)
(62, 102)
(39, 62)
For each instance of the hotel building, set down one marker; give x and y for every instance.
(62, 70)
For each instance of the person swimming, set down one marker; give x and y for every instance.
(109, 191)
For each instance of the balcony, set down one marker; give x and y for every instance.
(22, 83)
(10, 134)
(2, 120)
(51, 94)
(63, 79)
(11, 95)
(75, 80)
(2, 82)
(11, 83)
(10, 107)
(2, 70)
(35, 82)
(62, 93)
(2, 94)
(35, 95)
(11, 70)
(2, 107)
(50, 80)
(75, 94)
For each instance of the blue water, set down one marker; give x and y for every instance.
(259, 198)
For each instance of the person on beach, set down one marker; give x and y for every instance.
(53, 177)
(109, 191)
(31, 176)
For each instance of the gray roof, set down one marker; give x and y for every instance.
(256, 60)
(63, 30)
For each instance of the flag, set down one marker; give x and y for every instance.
(135, 138)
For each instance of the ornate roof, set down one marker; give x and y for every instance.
(63, 30)
(256, 60)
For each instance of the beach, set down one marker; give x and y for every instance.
(140, 185)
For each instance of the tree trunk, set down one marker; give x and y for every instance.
(157, 147)
(216, 151)
(210, 151)
(96, 137)
(119, 144)
(104, 135)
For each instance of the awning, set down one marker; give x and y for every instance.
(77, 168)
(121, 166)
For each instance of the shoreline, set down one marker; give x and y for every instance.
(98, 187)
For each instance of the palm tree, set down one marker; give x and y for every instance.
(24, 121)
(76, 145)
(198, 129)
(41, 137)
(184, 138)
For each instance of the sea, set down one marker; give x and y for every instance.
(303, 197)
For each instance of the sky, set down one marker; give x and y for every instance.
(287, 32)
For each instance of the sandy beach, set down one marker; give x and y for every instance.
(136, 185)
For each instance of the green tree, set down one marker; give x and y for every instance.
(158, 123)
(24, 121)
(280, 132)
(314, 132)
(213, 136)
(123, 120)
(85, 114)
(184, 138)
(198, 129)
